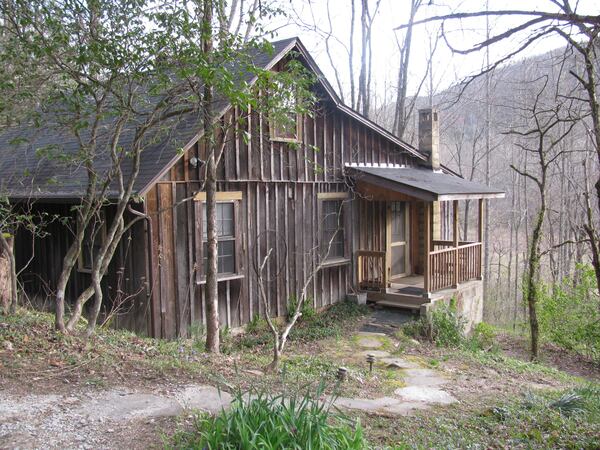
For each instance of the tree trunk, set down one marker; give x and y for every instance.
(274, 364)
(96, 283)
(69, 262)
(533, 264)
(211, 287)
(400, 111)
(8, 250)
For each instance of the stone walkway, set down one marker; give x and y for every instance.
(421, 386)
(88, 417)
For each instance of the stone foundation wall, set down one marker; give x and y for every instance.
(469, 302)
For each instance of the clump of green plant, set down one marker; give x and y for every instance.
(330, 323)
(569, 313)
(272, 421)
(197, 333)
(227, 340)
(311, 326)
(257, 334)
(483, 337)
(307, 310)
(442, 326)
(307, 369)
(446, 327)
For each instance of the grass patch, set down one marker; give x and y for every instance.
(555, 419)
(507, 364)
(331, 323)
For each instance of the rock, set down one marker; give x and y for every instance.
(8, 346)
(369, 342)
(205, 398)
(399, 363)
(423, 377)
(375, 353)
(425, 394)
(113, 405)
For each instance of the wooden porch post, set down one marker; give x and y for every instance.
(455, 241)
(427, 271)
(480, 222)
(480, 235)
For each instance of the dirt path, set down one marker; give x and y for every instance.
(96, 419)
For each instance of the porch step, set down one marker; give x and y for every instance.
(394, 300)
(396, 304)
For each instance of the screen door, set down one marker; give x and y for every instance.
(398, 239)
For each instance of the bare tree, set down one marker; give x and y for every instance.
(580, 31)
(314, 259)
(541, 140)
(400, 113)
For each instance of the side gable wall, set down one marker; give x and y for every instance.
(279, 183)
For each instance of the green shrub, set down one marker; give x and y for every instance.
(443, 326)
(415, 328)
(483, 337)
(569, 313)
(446, 327)
(307, 310)
(259, 420)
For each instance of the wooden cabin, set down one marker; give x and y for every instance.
(382, 206)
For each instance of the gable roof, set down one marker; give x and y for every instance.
(25, 173)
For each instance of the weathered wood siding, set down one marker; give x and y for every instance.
(280, 183)
(124, 283)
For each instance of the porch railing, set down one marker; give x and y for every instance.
(449, 266)
(371, 270)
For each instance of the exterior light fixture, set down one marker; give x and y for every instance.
(370, 360)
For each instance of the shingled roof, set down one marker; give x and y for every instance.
(27, 173)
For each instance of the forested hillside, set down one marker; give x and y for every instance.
(524, 99)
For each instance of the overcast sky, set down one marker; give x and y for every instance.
(448, 67)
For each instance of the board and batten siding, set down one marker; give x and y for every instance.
(280, 184)
(124, 286)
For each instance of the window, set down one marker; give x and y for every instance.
(333, 229)
(228, 235)
(93, 239)
(285, 126)
(334, 244)
(225, 235)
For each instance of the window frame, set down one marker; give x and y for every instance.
(344, 197)
(232, 197)
(276, 137)
(100, 234)
(275, 129)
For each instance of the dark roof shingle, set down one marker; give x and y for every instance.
(33, 160)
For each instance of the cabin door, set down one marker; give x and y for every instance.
(397, 254)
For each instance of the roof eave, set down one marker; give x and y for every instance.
(418, 193)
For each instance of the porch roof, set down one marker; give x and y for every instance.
(422, 183)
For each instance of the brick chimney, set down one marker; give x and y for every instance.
(429, 136)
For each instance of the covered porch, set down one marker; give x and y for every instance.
(409, 250)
